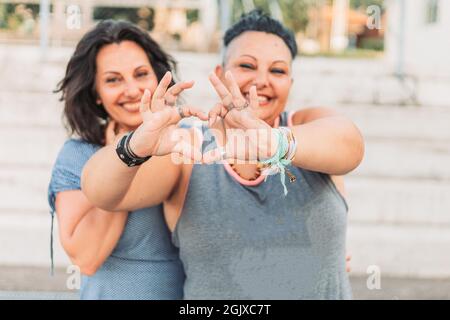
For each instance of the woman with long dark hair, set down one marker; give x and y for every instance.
(127, 254)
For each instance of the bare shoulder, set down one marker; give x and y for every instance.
(308, 114)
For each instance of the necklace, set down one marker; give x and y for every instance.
(259, 168)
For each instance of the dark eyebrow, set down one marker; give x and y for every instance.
(277, 61)
(247, 55)
(116, 72)
(282, 61)
(144, 65)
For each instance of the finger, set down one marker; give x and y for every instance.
(233, 86)
(218, 111)
(172, 116)
(189, 111)
(254, 103)
(348, 267)
(110, 132)
(189, 144)
(121, 131)
(158, 102)
(188, 152)
(221, 89)
(173, 92)
(145, 102)
(247, 120)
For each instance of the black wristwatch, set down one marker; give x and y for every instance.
(126, 154)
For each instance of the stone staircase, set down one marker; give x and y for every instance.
(399, 218)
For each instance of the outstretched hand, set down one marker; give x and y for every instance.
(159, 134)
(247, 137)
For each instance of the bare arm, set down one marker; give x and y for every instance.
(87, 234)
(110, 184)
(327, 142)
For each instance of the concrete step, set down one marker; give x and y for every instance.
(398, 201)
(412, 251)
(34, 283)
(398, 182)
(374, 200)
(390, 122)
(408, 133)
(30, 146)
(33, 109)
(338, 80)
(415, 251)
(24, 190)
(396, 122)
(405, 159)
(25, 240)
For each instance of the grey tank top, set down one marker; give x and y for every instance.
(252, 242)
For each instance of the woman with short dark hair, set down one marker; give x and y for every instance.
(243, 231)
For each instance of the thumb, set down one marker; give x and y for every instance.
(110, 133)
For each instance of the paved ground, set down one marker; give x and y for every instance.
(36, 283)
(399, 217)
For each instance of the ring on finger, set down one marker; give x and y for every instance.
(245, 105)
(180, 112)
(170, 103)
(230, 106)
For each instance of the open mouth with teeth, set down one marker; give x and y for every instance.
(263, 100)
(130, 106)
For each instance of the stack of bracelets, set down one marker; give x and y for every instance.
(285, 154)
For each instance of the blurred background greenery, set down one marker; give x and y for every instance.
(180, 24)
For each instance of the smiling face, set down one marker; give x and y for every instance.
(123, 73)
(264, 60)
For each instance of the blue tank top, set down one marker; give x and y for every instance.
(252, 242)
(144, 263)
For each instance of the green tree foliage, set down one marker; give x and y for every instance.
(295, 12)
(363, 4)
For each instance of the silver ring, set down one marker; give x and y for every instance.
(180, 111)
(171, 104)
(230, 106)
(243, 107)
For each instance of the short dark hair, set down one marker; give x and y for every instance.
(82, 114)
(257, 20)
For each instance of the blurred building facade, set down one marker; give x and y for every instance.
(70, 19)
(417, 41)
(417, 47)
(337, 28)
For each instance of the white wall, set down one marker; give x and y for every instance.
(426, 46)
